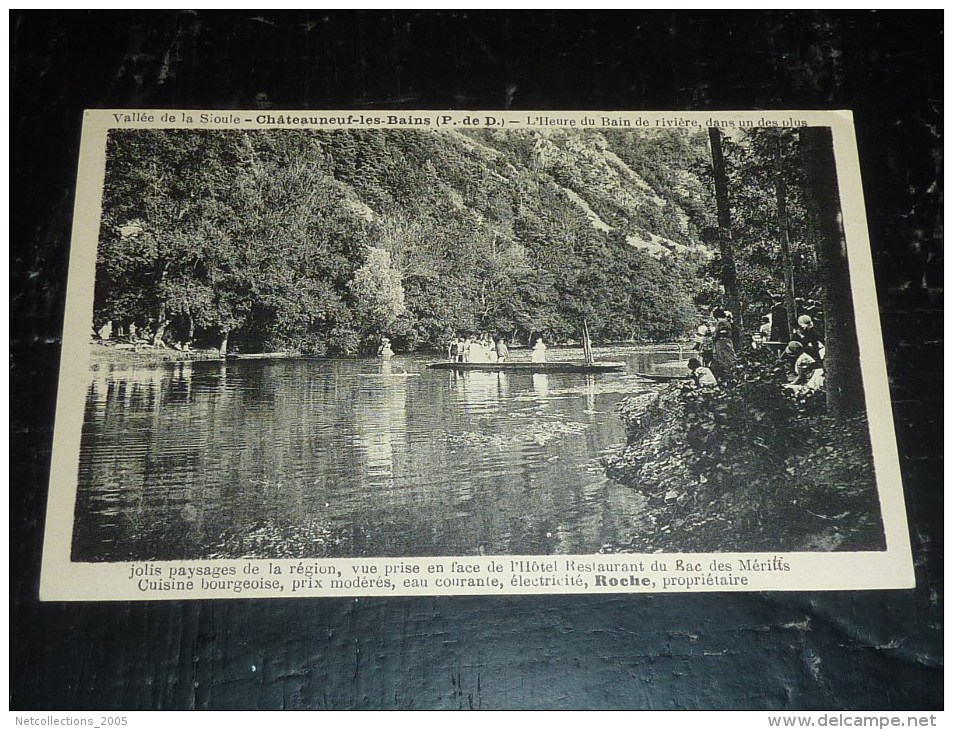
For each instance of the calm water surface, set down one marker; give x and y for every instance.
(342, 458)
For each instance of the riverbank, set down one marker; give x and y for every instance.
(114, 353)
(746, 470)
(105, 354)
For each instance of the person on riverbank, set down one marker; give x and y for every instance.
(788, 357)
(723, 358)
(780, 331)
(703, 377)
(805, 373)
(704, 345)
(487, 350)
(807, 334)
(539, 350)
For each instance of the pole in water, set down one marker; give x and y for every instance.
(587, 343)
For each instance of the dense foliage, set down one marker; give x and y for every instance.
(756, 160)
(325, 240)
(748, 467)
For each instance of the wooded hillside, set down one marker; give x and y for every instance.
(324, 240)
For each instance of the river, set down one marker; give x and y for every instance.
(350, 458)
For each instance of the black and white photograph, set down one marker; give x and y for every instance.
(309, 336)
(477, 359)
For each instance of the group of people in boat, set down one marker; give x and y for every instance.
(801, 352)
(482, 348)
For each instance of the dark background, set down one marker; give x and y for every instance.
(850, 650)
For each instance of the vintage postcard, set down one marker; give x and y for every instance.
(354, 353)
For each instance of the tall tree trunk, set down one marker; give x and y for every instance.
(729, 276)
(845, 388)
(161, 324)
(161, 321)
(783, 239)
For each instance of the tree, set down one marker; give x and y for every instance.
(729, 276)
(771, 241)
(377, 293)
(783, 237)
(161, 209)
(845, 389)
(226, 233)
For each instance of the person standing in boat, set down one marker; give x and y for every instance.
(384, 351)
(484, 348)
(491, 355)
(452, 350)
(539, 350)
(502, 351)
(476, 350)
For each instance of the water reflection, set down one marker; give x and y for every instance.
(541, 387)
(590, 395)
(380, 423)
(346, 458)
(478, 392)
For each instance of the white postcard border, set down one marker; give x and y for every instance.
(62, 579)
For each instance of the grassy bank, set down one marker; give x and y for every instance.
(746, 469)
